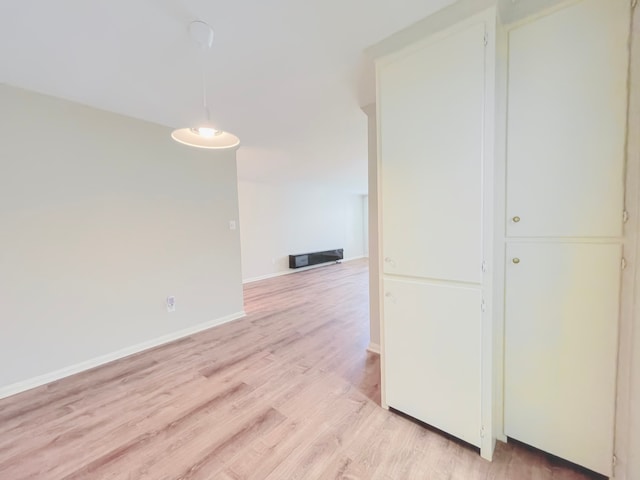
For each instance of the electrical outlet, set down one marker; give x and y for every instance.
(171, 304)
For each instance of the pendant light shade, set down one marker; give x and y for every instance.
(204, 135)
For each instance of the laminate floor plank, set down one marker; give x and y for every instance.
(288, 392)
(170, 424)
(91, 414)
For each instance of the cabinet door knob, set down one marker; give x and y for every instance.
(516, 260)
(516, 219)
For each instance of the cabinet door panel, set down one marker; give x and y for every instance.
(561, 336)
(432, 354)
(431, 126)
(567, 122)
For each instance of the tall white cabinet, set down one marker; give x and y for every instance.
(435, 115)
(566, 124)
(549, 205)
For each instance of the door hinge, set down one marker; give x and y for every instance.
(625, 216)
(623, 263)
(481, 432)
(486, 37)
(614, 461)
(483, 306)
(634, 3)
(484, 266)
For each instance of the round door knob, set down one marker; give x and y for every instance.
(516, 261)
(516, 219)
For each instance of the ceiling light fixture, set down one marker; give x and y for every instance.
(205, 135)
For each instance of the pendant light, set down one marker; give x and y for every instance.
(204, 135)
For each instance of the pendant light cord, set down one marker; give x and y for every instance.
(204, 89)
(202, 34)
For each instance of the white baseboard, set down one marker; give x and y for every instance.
(40, 380)
(374, 348)
(271, 275)
(301, 269)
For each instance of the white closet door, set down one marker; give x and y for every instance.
(432, 353)
(567, 122)
(431, 109)
(431, 128)
(561, 349)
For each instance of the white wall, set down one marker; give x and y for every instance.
(102, 217)
(283, 219)
(633, 470)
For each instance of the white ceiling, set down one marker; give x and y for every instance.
(287, 76)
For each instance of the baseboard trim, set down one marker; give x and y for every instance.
(302, 269)
(374, 348)
(273, 275)
(40, 380)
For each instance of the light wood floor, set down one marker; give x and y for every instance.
(289, 392)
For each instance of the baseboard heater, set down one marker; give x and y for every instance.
(315, 258)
